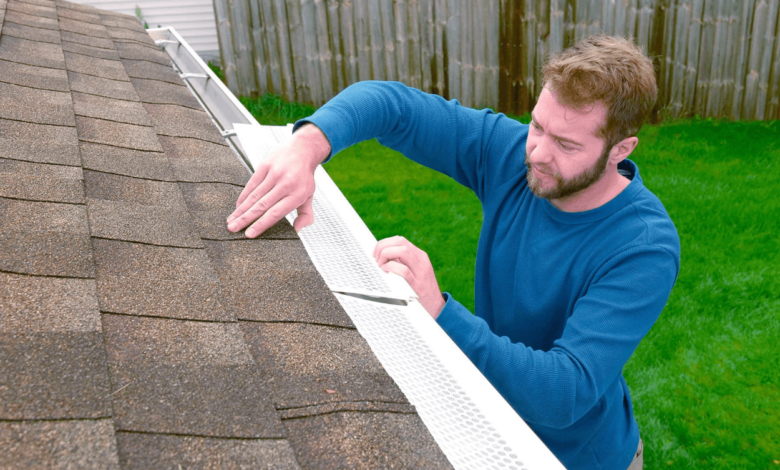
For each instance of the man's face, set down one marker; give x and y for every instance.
(563, 153)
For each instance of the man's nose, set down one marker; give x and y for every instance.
(541, 152)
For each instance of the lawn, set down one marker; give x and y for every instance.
(705, 381)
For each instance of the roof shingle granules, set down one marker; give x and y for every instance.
(135, 330)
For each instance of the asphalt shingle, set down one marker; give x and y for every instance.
(36, 304)
(54, 375)
(160, 451)
(127, 162)
(33, 77)
(196, 161)
(79, 15)
(103, 43)
(314, 364)
(102, 87)
(32, 9)
(37, 182)
(39, 143)
(364, 440)
(140, 37)
(118, 134)
(30, 33)
(156, 225)
(44, 216)
(157, 92)
(111, 21)
(208, 382)
(274, 280)
(134, 51)
(211, 203)
(45, 254)
(104, 68)
(85, 445)
(92, 51)
(83, 27)
(31, 20)
(157, 281)
(128, 112)
(132, 190)
(34, 105)
(152, 71)
(178, 121)
(27, 52)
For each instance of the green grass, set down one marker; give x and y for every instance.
(706, 380)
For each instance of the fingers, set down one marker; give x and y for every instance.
(256, 210)
(257, 178)
(305, 215)
(400, 269)
(273, 215)
(388, 242)
(403, 253)
(250, 200)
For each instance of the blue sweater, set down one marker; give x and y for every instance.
(562, 299)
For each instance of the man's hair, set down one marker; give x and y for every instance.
(609, 70)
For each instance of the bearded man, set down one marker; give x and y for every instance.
(576, 258)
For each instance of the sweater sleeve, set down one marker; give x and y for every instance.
(426, 128)
(557, 387)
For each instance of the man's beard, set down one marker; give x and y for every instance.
(567, 187)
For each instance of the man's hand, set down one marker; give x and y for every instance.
(283, 182)
(398, 255)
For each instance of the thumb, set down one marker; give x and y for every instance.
(305, 215)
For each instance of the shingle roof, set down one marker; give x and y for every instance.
(135, 330)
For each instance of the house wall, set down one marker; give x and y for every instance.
(193, 19)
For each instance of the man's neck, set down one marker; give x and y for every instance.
(595, 195)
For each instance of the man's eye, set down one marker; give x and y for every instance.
(565, 147)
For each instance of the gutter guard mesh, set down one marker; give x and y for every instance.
(471, 422)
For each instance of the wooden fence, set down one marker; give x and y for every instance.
(717, 58)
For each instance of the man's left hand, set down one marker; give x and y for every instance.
(398, 255)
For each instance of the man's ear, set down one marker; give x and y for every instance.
(622, 150)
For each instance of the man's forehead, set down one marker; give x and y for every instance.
(567, 121)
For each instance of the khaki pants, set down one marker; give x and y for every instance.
(639, 460)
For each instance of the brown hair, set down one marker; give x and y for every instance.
(609, 70)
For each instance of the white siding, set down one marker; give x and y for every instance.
(193, 19)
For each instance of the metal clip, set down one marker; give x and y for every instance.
(163, 42)
(228, 133)
(194, 75)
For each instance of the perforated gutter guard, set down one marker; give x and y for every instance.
(471, 422)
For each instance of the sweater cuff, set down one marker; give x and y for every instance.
(457, 322)
(331, 123)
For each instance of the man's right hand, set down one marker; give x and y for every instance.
(282, 182)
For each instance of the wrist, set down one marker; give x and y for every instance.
(313, 142)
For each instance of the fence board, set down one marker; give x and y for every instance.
(273, 50)
(413, 24)
(766, 60)
(260, 52)
(362, 40)
(427, 28)
(309, 23)
(401, 45)
(492, 52)
(324, 54)
(440, 75)
(773, 109)
(285, 53)
(346, 15)
(242, 46)
(333, 32)
(754, 61)
(227, 55)
(388, 37)
(478, 33)
(298, 51)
